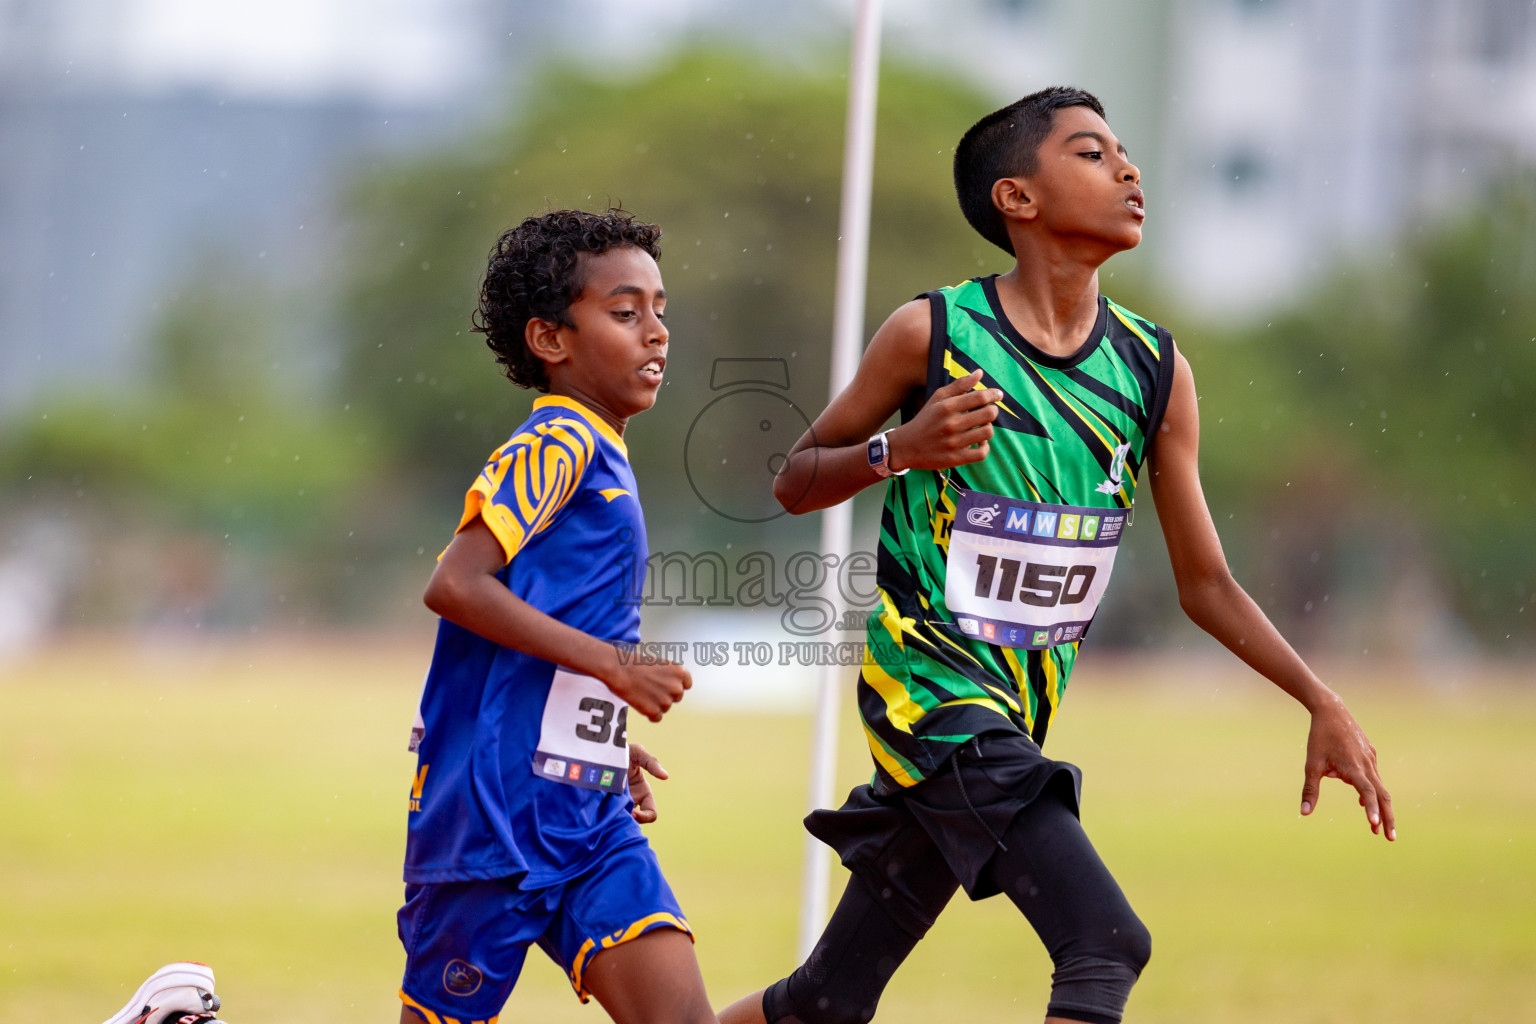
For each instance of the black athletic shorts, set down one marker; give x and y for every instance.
(908, 844)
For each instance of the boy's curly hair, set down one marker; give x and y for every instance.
(535, 272)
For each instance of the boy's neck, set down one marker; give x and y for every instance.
(1051, 296)
(565, 389)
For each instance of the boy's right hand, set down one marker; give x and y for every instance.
(952, 429)
(650, 689)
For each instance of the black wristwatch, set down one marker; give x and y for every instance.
(879, 451)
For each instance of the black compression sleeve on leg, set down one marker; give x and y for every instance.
(777, 1008)
(843, 978)
(1053, 874)
(1084, 987)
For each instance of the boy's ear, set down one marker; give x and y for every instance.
(1014, 199)
(545, 341)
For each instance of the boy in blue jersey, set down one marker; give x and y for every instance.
(1027, 389)
(522, 828)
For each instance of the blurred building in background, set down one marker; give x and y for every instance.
(1306, 130)
(140, 139)
(1277, 136)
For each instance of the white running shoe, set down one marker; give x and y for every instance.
(179, 993)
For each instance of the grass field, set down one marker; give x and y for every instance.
(243, 804)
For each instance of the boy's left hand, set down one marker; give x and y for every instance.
(1337, 748)
(640, 762)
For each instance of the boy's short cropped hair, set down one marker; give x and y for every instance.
(534, 272)
(1006, 144)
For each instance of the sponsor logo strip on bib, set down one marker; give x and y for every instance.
(583, 737)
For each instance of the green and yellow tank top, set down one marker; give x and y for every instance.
(1070, 439)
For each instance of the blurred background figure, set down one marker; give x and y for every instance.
(238, 247)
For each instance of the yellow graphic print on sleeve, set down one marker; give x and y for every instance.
(528, 480)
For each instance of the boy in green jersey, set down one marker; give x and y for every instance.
(1031, 409)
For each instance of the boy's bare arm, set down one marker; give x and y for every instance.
(1336, 745)
(465, 591)
(829, 464)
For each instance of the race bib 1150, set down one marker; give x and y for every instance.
(583, 738)
(1028, 574)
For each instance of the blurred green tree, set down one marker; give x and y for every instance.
(219, 454)
(738, 160)
(224, 432)
(1383, 427)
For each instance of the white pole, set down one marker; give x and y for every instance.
(847, 343)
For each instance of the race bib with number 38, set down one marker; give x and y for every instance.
(583, 739)
(1028, 574)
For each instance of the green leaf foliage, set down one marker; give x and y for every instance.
(738, 160)
(1384, 427)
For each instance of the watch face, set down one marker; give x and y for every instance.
(877, 450)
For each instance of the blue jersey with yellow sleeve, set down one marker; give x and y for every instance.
(560, 497)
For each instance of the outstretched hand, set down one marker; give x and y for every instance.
(952, 429)
(1337, 748)
(640, 762)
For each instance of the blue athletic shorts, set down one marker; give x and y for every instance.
(465, 941)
